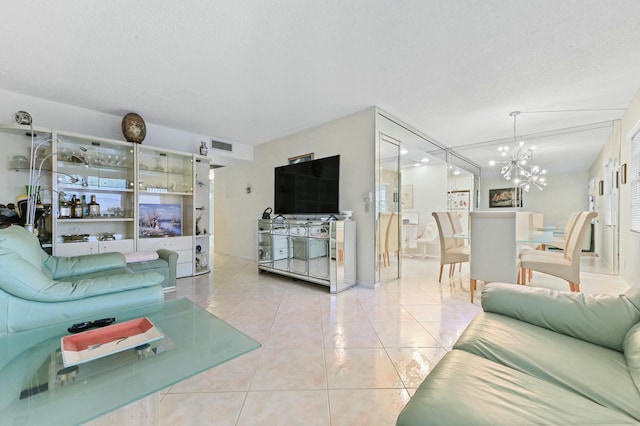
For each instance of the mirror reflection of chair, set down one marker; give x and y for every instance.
(340, 245)
(451, 251)
(564, 265)
(392, 236)
(383, 225)
(428, 238)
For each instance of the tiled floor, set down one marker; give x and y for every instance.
(349, 359)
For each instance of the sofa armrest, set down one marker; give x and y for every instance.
(172, 260)
(63, 267)
(600, 319)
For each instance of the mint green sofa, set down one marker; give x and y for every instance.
(165, 265)
(538, 356)
(37, 289)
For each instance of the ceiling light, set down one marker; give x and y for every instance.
(425, 160)
(517, 165)
(403, 152)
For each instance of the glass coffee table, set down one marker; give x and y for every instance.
(36, 388)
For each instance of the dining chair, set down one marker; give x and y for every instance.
(537, 220)
(451, 252)
(457, 229)
(494, 248)
(561, 242)
(564, 265)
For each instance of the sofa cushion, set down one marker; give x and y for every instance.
(582, 368)
(465, 389)
(20, 278)
(17, 239)
(149, 265)
(632, 353)
(159, 266)
(600, 319)
(63, 267)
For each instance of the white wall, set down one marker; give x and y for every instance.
(606, 234)
(236, 212)
(629, 241)
(429, 190)
(85, 121)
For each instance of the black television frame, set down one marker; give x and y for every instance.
(308, 188)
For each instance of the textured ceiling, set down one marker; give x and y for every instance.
(251, 71)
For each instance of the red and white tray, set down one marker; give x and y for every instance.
(93, 344)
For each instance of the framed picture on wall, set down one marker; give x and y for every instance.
(301, 158)
(505, 197)
(406, 197)
(458, 199)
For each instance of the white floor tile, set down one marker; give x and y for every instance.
(348, 359)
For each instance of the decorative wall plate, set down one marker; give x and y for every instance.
(133, 128)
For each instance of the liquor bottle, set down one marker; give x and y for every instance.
(77, 209)
(64, 209)
(94, 207)
(85, 206)
(72, 206)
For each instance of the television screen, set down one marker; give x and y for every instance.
(310, 187)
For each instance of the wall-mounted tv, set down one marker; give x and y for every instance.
(310, 187)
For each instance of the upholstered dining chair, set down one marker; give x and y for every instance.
(564, 265)
(451, 252)
(494, 248)
(561, 242)
(457, 229)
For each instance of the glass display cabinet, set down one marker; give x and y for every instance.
(318, 251)
(166, 204)
(93, 195)
(202, 211)
(98, 195)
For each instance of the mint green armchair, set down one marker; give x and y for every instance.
(37, 289)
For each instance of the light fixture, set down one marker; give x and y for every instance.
(516, 166)
(35, 175)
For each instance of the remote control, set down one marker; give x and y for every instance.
(82, 326)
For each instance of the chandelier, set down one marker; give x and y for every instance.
(516, 165)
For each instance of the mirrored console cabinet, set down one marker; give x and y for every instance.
(322, 252)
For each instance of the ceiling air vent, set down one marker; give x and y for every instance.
(221, 145)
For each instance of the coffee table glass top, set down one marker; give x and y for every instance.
(37, 389)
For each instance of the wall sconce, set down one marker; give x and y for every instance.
(601, 187)
(23, 117)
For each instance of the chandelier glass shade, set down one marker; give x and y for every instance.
(516, 163)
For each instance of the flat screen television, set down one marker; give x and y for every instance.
(310, 187)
